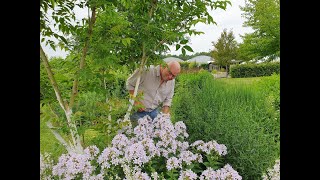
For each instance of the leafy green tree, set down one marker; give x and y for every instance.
(63, 17)
(152, 26)
(61, 22)
(263, 16)
(225, 49)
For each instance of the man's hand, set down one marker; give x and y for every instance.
(137, 103)
(166, 109)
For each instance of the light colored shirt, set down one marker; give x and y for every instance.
(153, 93)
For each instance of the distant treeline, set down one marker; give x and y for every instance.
(186, 57)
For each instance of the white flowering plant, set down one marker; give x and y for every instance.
(273, 173)
(154, 149)
(46, 164)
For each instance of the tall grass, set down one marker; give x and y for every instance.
(48, 143)
(234, 114)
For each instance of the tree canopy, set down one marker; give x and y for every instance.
(264, 18)
(225, 48)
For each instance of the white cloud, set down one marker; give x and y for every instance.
(229, 19)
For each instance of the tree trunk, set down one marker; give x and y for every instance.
(76, 146)
(143, 62)
(73, 130)
(83, 57)
(227, 71)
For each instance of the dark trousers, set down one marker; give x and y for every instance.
(138, 115)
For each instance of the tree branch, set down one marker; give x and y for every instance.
(83, 57)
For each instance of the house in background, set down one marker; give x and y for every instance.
(168, 59)
(202, 59)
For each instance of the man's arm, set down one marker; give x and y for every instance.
(167, 102)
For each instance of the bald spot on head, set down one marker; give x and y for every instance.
(174, 67)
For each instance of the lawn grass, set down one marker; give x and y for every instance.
(48, 143)
(241, 81)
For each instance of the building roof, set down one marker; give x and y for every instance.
(202, 59)
(168, 59)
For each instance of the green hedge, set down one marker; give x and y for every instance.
(254, 70)
(233, 116)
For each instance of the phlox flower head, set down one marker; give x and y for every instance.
(187, 174)
(141, 176)
(188, 157)
(72, 164)
(92, 152)
(136, 154)
(46, 164)
(273, 173)
(173, 163)
(225, 173)
(120, 141)
(211, 146)
(181, 129)
(144, 129)
(110, 155)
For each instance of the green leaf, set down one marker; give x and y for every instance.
(207, 164)
(63, 39)
(52, 46)
(210, 20)
(183, 52)
(52, 3)
(177, 47)
(184, 41)
(126, 41)
(45, 7)
(188, 48)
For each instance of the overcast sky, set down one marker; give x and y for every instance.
(230, 19)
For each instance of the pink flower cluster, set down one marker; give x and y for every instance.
(72, 165)
(146, 143)
(210, 146)
(227, 172)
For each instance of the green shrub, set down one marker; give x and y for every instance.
(270, 87)
(231, 114)
(184, 65)
(192, 65)
(204, 66)
(254, 70)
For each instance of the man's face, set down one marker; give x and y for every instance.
(170, 73)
